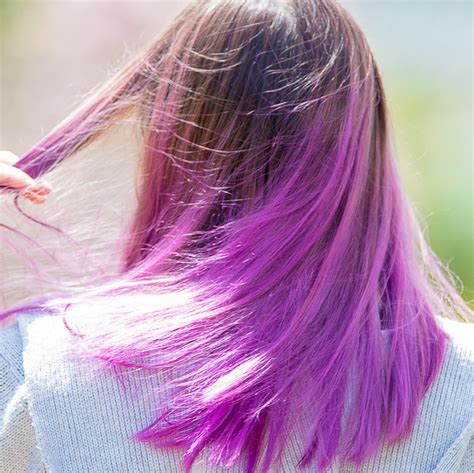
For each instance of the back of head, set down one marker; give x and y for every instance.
(273, 256)
(258, 108)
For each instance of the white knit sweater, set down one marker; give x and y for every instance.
(62, 415)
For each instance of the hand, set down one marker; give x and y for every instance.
(10, 176)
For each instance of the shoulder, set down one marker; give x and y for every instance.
(457, 371)
(456, 375)
(18, 446)
(29, 340)
(447, 414)
(11, 366)
(84, 414)
(461, 334)
(11, 348)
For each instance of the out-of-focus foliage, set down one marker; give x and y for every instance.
(10, 12)
(434, 140)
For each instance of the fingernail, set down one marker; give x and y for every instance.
(33, 197)
(41, 188)
(36, 192)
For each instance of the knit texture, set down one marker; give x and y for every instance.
(60, 413)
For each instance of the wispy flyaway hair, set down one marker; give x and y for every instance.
(274, 262)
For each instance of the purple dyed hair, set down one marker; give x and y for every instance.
(274, 261)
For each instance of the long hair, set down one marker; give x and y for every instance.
(274, 263)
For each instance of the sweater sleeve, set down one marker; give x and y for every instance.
(460, 455)
(18, 446)
(467, 461)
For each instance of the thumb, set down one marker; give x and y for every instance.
(11, 176)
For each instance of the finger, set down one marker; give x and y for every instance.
(40, 188)
(8, 157)
(37, 192)
(13, 177)
(35, 198)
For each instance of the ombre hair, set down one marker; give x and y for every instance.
(274, 263)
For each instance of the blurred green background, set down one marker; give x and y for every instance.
(54, 51)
